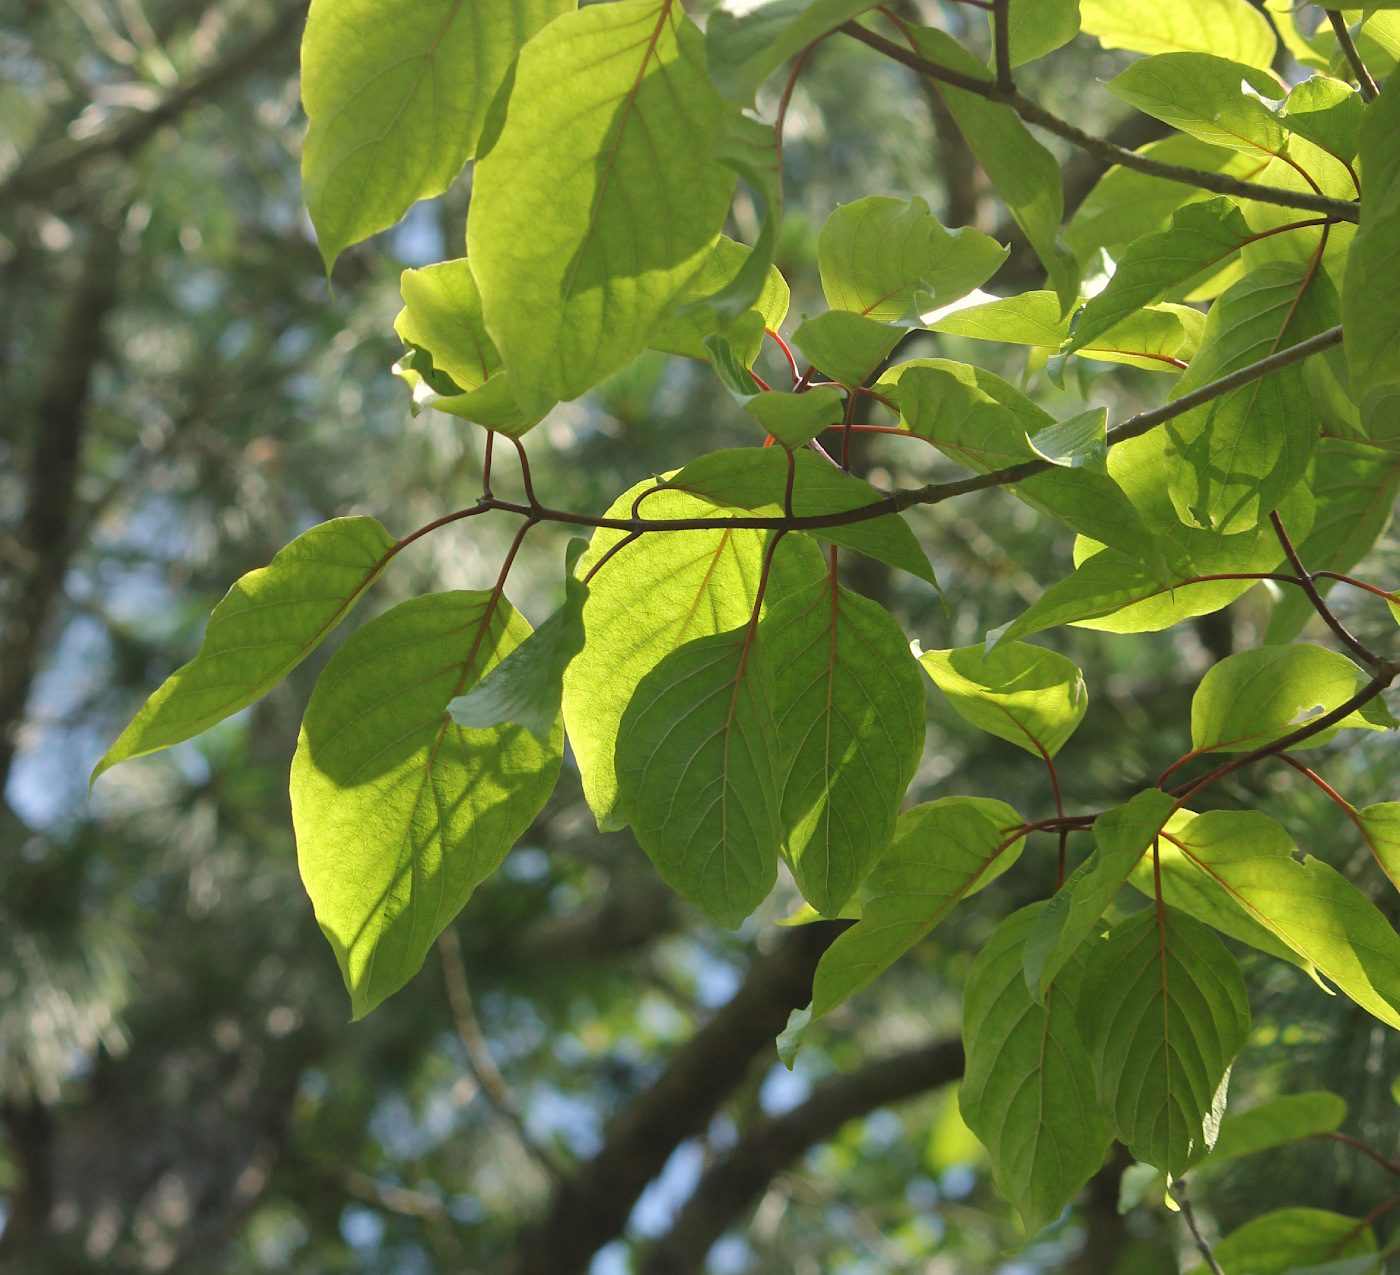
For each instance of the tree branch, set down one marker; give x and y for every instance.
(50, 168)
(1353, 54)
(591, 1208)
(1001, 39)
(1034, 113)
(732, 1185)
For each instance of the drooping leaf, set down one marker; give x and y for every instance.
(1028, 1087)
(743, 51)
(684, 333)
(1158, 338)
(270, 621)
(847, 347)
(979, 420)
(1127, 204)
(652, 596)
(1163, 1010)
(1289, 1240)
(604, 151)
(754, 480)
(399, 813)
(1235, 458)
(1253, 698)
(1310, 906)
(527, 687)
(1202, 95)
(850, 720)
(795, 419)
(442, 325)
(1275, 1123)
(1371, 305)
(1038, 27)
(876, 254)
(699, 772)
(1355, 486)
(1227, 28)
(1121, 837)
(397, 97)
(1025, 174)
(1032, 697)
(1204, 237)
(729, 367)
(943, 852)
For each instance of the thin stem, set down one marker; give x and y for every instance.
(525, 474)
(791, 479)
(617, 548)
(1001, 40)
(1102, 148)
(1371, 660)
(846, 425)
(1387, 594)
(1189, 1217)
(483, 1067)
(486, 463)
(806, 380)
(1353, 55)
(1370, 1219)
(1351, 813)
(1389, 1165)
(797, 64)
(787, 350)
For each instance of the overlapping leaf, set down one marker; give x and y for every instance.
(397, 96)
(1038, 27)
(943, 852)
(652, 596)
(603, 150)
(1275, 1123)
(794, 419)
(399, 813)
(1227, 28)
(1163, 1010)
(270, 621)
(847, 347)
(1289, 1240)
(850, 721)
(1028, 1087)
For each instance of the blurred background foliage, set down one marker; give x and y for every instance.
(181, 392)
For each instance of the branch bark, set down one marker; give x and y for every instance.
(731, 1186)
(592, 1207)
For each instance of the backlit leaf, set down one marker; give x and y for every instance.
(270, 621)
(796, 418)
(847, 347)
(399, 813)
(1038, 27)
(1275, 1123)
(1227, 28)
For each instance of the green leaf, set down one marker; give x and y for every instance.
(851, 730)
(1253, 698)
(603, 151)
(1380, 825)
(943, 852)
(1275, 1123)
(1371, 305)
(1076, 442)
(1038, 27)
(1160, 338)
(1328, 112)
(847, 347)
(980, 421)
(399, 813)
(877, 253)
(732, 373)
(1288, 1239)
(753, 480)
(1028, 1087)
(1121, 837)
(1186, 887)
(744, 51)
(1127, 204)
(652, 596)
(397, 97)
(1235, 458)
(699, 773)
(1163, 1010)
(795, 419)
(270, 621)
(1025, 174)
(452, 361)
(684, 332)
(1031, 697)
(527, 686)
(1309, 906)
(1227, 28)
(1202, 95)
(1355, 486)
(1203, 238)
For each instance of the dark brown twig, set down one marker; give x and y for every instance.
(1353, 54)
